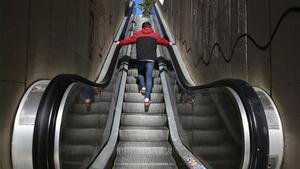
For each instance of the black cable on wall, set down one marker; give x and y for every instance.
(217, 45)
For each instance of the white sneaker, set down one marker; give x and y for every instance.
(147, 101)
(143, 90)
(88, 104)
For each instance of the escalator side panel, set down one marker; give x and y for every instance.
(24, 126)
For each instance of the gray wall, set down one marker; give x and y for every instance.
(285, 78)
(196, 25)
(43, 38)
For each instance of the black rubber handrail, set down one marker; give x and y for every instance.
(44, 129)
(259, 137)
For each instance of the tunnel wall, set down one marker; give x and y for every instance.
(43, 38)
(197, 25)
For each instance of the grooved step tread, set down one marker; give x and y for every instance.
(140, 108)
(142, 128)
(145, 160)
(143, 119)
(82, 136)
(95, 107)
(133, 88)
(87, 120)
(133, 133)
(76, 152)
(134, 72)
(76, 149)
(130, 148)
(134, 80)
(199, 108)
(201, 122)
(103, 96)
(208, 137)
(220, 152)
(198, 99)
(225, 164)
(145, 167)
(139, 98)
(71, 164)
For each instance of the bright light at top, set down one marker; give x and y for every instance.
(161, 1)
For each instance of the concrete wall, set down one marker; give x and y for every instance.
(197, 25)
(43, 38)
(285, 79)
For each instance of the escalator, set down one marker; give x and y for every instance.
(143, 134)
(82, 127)
(227, 124)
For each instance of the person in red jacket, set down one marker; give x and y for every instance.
(146, 43)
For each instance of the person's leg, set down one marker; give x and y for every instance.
(87, 96)
(149, 71)
(141, 74)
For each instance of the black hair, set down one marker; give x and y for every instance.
(146, 25)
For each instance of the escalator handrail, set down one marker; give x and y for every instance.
(44, 129)
(257, 119)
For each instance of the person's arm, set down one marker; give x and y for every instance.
(129, 40)
(161, 41)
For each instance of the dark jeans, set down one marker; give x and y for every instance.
(87, 92)
(145, 70)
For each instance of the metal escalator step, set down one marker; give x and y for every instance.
(225, 164)
(143, 119)
(140, 108)
(208, 137)
(145, 167)
(144, 160)
(109, 88)
(202, 110)
(95, 107)
(133, 88)
(190, 122)
(129, 133)
(87, 120)
(139, 98)
(130, 148)
(82, 136)
(199, 99)
(71, 164)
(104, 96)
(111, 85)
(134, 80)
(134, 72)
(220, 152)
(76, 152)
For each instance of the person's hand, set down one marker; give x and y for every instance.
(118, 42)
(171, 43)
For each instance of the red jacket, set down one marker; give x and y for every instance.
(146, 43)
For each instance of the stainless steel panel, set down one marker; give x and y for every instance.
(24, 126)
